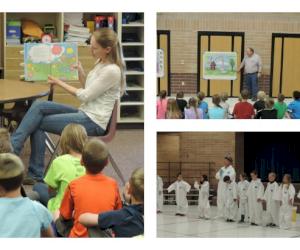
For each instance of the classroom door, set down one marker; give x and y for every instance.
(163, 43)
(285, 73)
(219, 42)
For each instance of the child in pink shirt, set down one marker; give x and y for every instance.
(161, 105)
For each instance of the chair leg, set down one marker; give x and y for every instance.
(116, 168)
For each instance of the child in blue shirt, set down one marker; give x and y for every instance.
(128, 221)
(19, 216)
(294, 107)
(202, 104)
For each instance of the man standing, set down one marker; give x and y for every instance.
(226, 170)
(252, 69)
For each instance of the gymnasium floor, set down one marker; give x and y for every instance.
(127, 149)
(171, 226)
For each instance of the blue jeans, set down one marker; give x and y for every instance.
(46, 116)
(42, 190)
(252, 84)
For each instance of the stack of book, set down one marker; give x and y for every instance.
(77, 34)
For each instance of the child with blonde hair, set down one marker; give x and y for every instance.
(193, 111)
(286, 197)
(173, 112)
(161, 105)
(224, 104)
(260, 103)
(128, 221)
(64, 168)
(216, 112)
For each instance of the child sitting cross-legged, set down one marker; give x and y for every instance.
(91, 193)
(19, 216)
(64, 168)
(128, 221)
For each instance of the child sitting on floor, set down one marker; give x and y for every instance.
(193, 111)
(224, 104)
(216, 112)
(268, 112)
(128, 221)
(173, 112)
(161, 105)
(260, 103)
(64, 168)
(202, 104)
(243, 109)
(94, 192)
(280, 106)
(294, 106)
(181, 102)
(20, 217)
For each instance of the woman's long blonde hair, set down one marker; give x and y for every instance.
(106, 37)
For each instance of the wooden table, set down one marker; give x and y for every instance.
(17, 91)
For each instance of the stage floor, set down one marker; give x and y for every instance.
(171, 226)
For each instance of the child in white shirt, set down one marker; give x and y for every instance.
(203, 200)
(230, 199)
(242, 197)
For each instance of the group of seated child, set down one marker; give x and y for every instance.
(245, 200)
(75, 200)
(196, 108)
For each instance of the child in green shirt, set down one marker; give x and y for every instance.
(280, 106)
(64, 168)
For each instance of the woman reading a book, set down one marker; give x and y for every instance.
(101, 87)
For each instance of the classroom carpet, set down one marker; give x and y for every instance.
(127, 149)
(171, 226)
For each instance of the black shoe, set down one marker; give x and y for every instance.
(253, 224)
(177, 214)
(273, 225)
(242, 219)
(269, 225)
(227, 220)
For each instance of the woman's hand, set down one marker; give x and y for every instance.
(78, 66)
(53, 80)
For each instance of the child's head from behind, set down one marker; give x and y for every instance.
(296, 95)
(201, 96)
(224, 96)
(281, 97)
(73, 138)
(180, 94)
(271, 177)
(216, 100)
(193, 102)
(5, 145)
(163, 94)
(136, 185)
(172, 105)
(203, 178)
(253, 175)
(245, 94)
(94, 156)
(226, 179)
(11, 173)
(243, 176)
(261, 95)
(269, 103)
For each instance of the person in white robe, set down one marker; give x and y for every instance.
(226, 170)
(203, 199)
(242, 198)
(230, 196)
(255, 194)
(160, 194)
(272, 205)
(181, 189)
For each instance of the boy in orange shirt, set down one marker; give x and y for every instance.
(92, 193)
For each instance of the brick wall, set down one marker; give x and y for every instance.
(198, 147)
(258, 28)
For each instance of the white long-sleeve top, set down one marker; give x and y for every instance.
(101, 90)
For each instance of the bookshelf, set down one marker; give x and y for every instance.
(131, 108)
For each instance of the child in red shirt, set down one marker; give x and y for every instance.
(243, 109)
(91, 193)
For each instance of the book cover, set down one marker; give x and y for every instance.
(55, 59)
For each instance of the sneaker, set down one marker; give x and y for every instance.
(28, 180)
(253, 224)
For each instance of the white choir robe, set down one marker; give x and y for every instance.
(181, 189)
(230, 210)
(255, 191)
(160, 194)
(286, 195)
(229, 171)
(203, 200)
(243, 199)
(272, 205)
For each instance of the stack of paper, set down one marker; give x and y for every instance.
(77, 34)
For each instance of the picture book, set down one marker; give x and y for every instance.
(55, 59)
